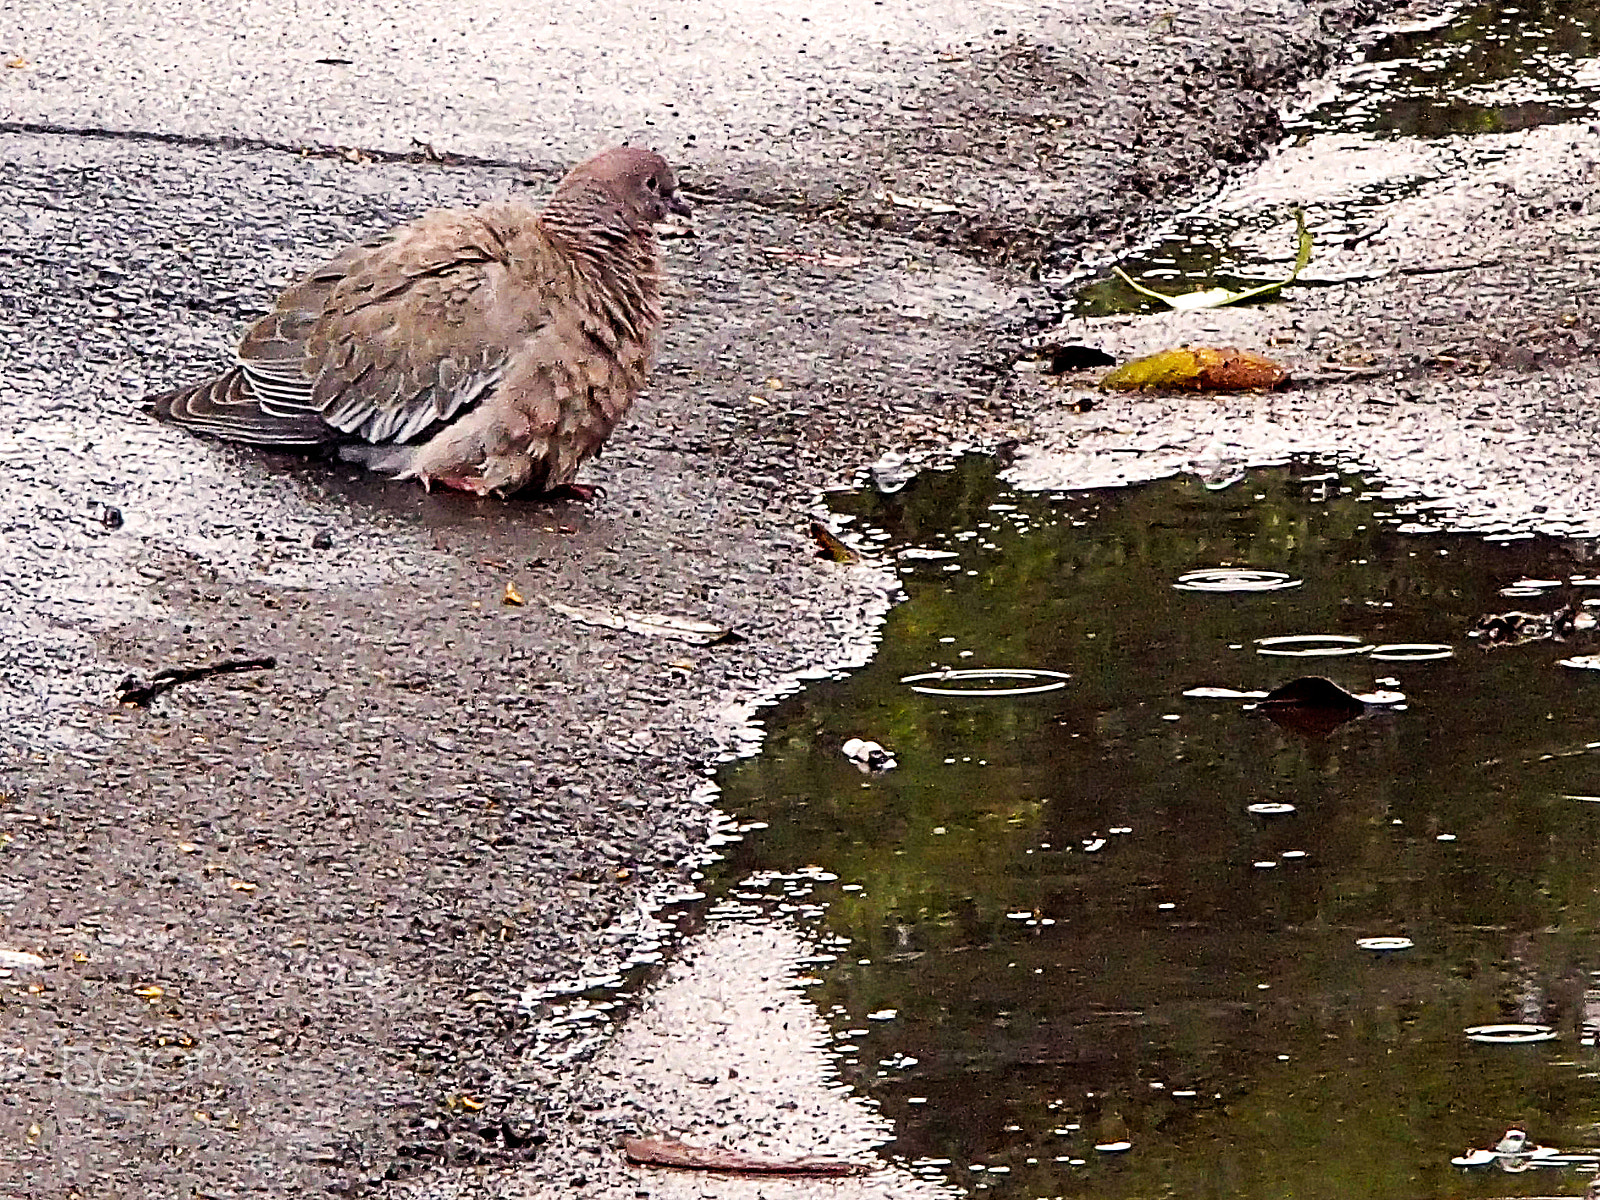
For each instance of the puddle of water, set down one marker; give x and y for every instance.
(1109, 913)
(1491, 69)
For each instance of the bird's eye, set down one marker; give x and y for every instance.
(652, 183)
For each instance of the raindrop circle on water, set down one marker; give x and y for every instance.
(1037, 681)
(1385, 943)
(1511, 1035)
(1269, 808)
(1412, 652)
(1235, 579)
(1312, 645)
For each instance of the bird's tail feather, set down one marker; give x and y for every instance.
(226, 408)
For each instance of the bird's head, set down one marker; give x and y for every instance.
(627, 187)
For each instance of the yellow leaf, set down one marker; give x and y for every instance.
(150, 991)
(1199, 369)
(512, 596)
(241, 885)
(830, 546)
(1218, 296)
(472, 1104)
(187, 847)
(18, 62)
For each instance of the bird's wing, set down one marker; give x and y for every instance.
(393, 337)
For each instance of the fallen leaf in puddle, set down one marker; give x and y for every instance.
(869, 757)
(1199, 369)
(830, 546)
(669, 1152)
(701, 633)
(1316, 706)
(1218, 296)
(241, 885)
(150, 991)
(1518, 628)
(512, 596)
(18, 63)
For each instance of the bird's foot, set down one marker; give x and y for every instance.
(586, 492)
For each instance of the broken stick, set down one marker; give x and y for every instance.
(133, 692)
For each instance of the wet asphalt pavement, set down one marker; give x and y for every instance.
(294, 923)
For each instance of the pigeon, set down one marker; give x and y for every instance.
(491, 350)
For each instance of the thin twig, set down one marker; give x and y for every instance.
(133, 692)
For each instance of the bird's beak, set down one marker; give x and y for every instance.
(676, 203)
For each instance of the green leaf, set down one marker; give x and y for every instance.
(1217, 297)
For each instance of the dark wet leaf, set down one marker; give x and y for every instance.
(1061, 359)
(669, 1152)
(1311, 704)
(1199, 369)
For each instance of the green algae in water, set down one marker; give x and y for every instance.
(1056, 927)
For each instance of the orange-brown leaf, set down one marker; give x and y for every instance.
(1199, 369)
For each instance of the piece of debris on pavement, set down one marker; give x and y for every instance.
(1056, 358)
(131, 691)
(925, 204)
(682, 629)
(669, 1152)
(830, 546)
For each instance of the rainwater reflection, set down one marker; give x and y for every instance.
(1119, 915)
